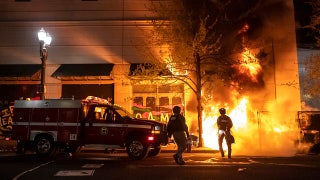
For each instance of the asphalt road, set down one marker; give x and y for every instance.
(118, 166)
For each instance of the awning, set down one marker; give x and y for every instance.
(20, 71)
(83, 71)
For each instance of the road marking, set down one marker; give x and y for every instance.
(88, 172)
(75, 173)
(92, 166)
(241, 169)
(30, 170)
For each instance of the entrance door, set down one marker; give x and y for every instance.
(101, 127)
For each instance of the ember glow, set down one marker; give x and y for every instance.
(250, 66)
(250, 70)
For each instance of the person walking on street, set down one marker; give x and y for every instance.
(224, 123)
(178, 128)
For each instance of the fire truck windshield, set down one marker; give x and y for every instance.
(123, 112)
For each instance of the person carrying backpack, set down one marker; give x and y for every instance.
(224, 123)
(178, 128)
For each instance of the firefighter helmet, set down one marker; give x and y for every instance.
(176, 110)
(222, 111)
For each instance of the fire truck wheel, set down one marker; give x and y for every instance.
(155, 151)
(44, 145)
(137, 149)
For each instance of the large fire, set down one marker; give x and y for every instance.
(210, 126)
(259, 133)
(256, 133)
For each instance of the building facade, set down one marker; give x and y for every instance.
(96, 42)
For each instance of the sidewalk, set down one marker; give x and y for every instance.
(171, 148)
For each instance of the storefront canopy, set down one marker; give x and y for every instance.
(66, 71)
(19, 70)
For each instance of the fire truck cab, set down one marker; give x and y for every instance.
(48, 125)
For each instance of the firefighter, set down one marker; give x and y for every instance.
(108, 115)
(178, 128)
(224, 123)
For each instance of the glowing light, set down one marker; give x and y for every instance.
(277, 129)
(239, 114)
(176, 71)
(150, 138)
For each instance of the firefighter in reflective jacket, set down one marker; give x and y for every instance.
(224, 123)
(178, 128)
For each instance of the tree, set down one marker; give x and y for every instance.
(199, 37)
(311, 80)
(315, 20)
(311, 76)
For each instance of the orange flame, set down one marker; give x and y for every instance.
(263, 133)
(238, 114)
(250, 66)
(267, 132)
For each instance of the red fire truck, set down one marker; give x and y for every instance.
(51, 124)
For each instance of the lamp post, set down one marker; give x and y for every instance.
(44, 40)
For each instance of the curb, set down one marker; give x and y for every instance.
(8, 150)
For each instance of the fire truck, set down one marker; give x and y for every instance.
(47, 125)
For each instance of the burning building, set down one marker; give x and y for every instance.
(264, 108)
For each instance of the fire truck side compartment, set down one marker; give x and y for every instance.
(32, 118)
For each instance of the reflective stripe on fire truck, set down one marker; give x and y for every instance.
(78, 124)
(120, 125)
(45, 123)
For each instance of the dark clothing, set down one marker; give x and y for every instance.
(181, 141)
(177, 123)
(178, 128)
(224, 123)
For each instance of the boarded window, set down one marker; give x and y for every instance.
(164, 104)
(151, 103)
(138, 101)
(176, 101)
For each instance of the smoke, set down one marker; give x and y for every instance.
(268, 19)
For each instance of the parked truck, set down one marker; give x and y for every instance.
(47, 125)
(309, 125)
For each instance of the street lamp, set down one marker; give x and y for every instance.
(44, 40)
